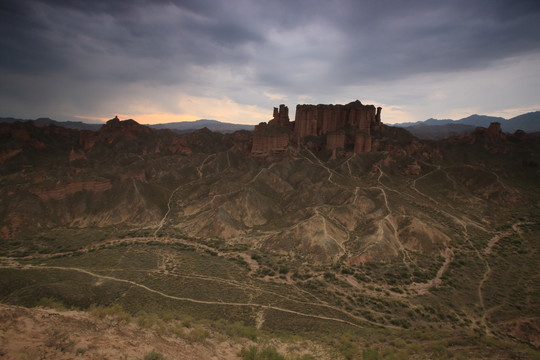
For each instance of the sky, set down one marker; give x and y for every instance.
(162, 61)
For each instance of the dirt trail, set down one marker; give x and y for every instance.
(205, 302)
(321, 164)
(485, 277)
(390, 220)
(328, 236)
(200, 167)
(423, 288)
(162, 222)
(497, 177)
(413, 184)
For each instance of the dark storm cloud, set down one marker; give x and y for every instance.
(116, 38)
(207, 47)
(404, 37)
(389, 40)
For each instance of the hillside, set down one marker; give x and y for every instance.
(213, 125)
(420, 250)
(433, 129)
(178, 127)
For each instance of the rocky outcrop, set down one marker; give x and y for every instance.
(490, 134)
(335, 140)
(362, 142)
(267, 140)
(281, 116)
(6, 154)
(338, 124)
(319, 120)
(242, 141)
(274, 136)
(180, 146)
(62, 191)
(76, 155)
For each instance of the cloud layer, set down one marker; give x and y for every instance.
(234, 60)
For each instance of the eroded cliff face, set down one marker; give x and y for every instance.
(319, 120)
(338, 125)
(274, 136)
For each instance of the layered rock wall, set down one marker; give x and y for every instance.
(335, 141)
(269, 143)
(274, 136)
(319, 120)
(362, 143)
(340, 124)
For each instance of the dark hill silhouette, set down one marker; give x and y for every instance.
(434, 129)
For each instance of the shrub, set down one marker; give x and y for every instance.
(145, 320)
(329, 276)
(51, 304)
(187, 321)
(178, 331)
(238, 329)
(197, 334)
(153, 355)
(371, 354)
(268, 353)
(114, 311)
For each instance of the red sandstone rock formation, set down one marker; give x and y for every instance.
(242, 141)
(490, 134)
(281, 116)
(274, 136)
(76, 155)
(335, 140)
(180, 146)
(340, 124)
(268, 139)
(61, 191)
(362, 142)
(319, 120)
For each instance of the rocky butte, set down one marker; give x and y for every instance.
(340, 127)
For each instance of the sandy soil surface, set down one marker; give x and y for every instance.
(39, 333)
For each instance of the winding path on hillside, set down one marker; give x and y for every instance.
(206, 302)
(413, 184)
(390, 220)
(485, 277)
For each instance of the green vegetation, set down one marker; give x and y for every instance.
(114, 311)
(153, 355)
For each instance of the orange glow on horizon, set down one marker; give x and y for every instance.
(144, 119)
(158, 118)
(220, 109)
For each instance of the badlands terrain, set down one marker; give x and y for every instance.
(131, 242)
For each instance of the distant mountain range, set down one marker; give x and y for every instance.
(435, 129)
(177, 127)
(78, 125)
(213, 125)
(432, 129)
